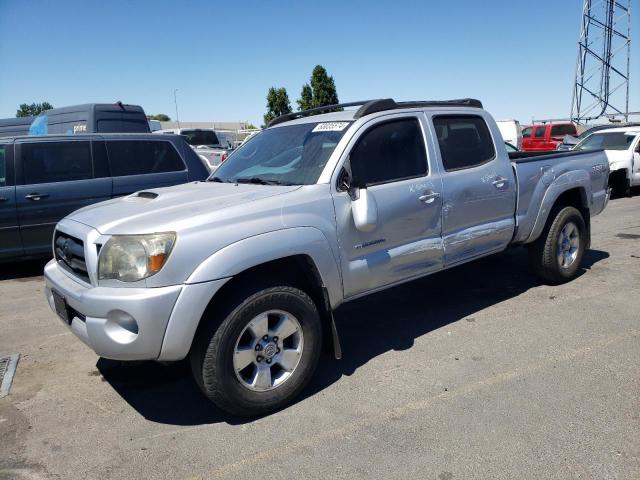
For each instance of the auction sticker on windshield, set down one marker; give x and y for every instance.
(330, 127)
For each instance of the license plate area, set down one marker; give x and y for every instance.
(61, 307)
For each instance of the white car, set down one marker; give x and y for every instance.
(511, 132)
(622, 146)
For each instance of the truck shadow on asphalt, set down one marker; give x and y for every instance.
(389, 320)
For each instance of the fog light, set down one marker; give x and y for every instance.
(121, 327)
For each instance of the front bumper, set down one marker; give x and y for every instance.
(130, 323)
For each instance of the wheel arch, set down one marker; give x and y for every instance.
(300, 257)
(572, 189)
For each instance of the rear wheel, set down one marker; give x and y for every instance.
(263, 352)
(557, 254)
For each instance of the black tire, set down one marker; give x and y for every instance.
(543, 252)
(212, 354)
(625, 188)
(621, 185)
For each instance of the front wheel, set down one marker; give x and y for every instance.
(557, 254)
(262, 354)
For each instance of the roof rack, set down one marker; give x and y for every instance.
(368, 107)
(305, 113)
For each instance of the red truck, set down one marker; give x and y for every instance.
(541, 138)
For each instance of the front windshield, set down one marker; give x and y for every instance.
(287, 155)
(606, 141)
(200, 137)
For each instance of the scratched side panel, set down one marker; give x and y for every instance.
(405, 244)
(477, 217)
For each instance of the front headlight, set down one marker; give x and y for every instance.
(130, 258)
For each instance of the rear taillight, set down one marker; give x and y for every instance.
(223, 157)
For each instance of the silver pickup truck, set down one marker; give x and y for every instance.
(241, 273)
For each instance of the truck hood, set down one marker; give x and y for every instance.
(171, 208)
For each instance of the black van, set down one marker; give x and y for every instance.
(45, 178)
(91, 118)
(10, 127)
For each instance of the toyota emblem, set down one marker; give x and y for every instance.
(66, 250)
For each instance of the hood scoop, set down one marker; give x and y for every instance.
(149, 195)
(144, 195)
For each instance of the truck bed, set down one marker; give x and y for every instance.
(540, 174)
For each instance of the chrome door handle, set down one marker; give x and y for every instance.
(429, 197)
(36, 196)
(4, 199)
(499, 182)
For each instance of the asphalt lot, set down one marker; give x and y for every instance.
(479, 372)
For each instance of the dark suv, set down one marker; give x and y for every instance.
(44, 178)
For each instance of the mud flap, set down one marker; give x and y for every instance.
(335, 339)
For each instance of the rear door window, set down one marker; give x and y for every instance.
(139, 157)
(539, 133)
(389, 152)
(464, 141)
(49, 162)
(109, 125)
(201, 137)
(562, 130)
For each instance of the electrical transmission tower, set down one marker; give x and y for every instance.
(602, 73)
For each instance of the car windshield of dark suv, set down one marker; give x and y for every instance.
(198, 138)
(606, 141)
(287, 155)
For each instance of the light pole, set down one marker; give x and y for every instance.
(175, 100)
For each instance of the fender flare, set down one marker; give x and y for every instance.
(568, 181)
(256, 250)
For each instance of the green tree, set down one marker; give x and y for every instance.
(277, 104)
(161, 117)
(320, 91)
(26, 110)
(306, 98)
(324, 88)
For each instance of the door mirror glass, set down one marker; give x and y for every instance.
(365, 210)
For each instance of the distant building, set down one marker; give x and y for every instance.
(232, 126)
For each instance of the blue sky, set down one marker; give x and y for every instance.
(517, 56)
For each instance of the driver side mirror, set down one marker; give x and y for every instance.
(364, 209)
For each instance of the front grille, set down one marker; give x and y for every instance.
(69, 252)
